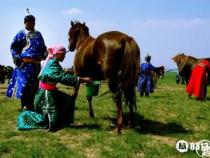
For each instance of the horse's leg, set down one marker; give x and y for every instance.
(131, 116)
(119, 115)
(129, 93)
(89, 98)
(113, 86)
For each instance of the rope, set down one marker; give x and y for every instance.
(171, 70)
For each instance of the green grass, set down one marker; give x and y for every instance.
(161, 120)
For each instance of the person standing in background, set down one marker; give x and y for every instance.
(145, 83)
(197, 85)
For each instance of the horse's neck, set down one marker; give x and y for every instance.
(192, 62)
(82, 40)
(208, 59)
(84, 59)
(160, 67)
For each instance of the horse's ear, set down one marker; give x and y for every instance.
(72, 23)
(83, 24)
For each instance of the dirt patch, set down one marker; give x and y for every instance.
(91, 153)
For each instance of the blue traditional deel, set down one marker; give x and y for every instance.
(145, 80)
(26, 44)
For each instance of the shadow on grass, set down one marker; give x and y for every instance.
(146, 126)
(3, 87)
(85, 126)
(207, 98)
(108, 92)
(2, 93)
(160, 96)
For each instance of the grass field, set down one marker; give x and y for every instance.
(161, 120)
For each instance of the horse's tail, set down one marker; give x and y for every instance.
(130, 69)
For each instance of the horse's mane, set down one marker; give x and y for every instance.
(182, 58)
(185, 64)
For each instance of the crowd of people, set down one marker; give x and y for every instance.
(34, 84)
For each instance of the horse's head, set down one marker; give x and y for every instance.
(77, 32)
(180, 59)
(159, 71)
(185, 64)
(162, 71)
(2, 73)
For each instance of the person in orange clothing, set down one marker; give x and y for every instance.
(197, 85)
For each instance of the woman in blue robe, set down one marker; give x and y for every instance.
(28, 49)
(145, 84)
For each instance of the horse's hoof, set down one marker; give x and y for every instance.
(118, 130)
(91, 115)
(130, 124)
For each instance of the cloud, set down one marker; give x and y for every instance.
(74, 11)
(97, 27)
(163, 38)
(102, 24)
(173, 23)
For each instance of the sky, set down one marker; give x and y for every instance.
(161, 28)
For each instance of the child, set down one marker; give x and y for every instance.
(49, 99)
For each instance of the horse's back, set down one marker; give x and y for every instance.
(117, 51)
(117, 35)
(109, 46)
(112, 42)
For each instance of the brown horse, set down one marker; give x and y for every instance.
(114, 56)
(2, 73)
(157, 73)
(185, 64)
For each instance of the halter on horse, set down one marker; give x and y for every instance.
(114, 56)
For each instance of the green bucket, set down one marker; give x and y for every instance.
(92, 89)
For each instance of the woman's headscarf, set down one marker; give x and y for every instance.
(52, 51)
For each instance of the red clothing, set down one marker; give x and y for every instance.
(198, 79)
